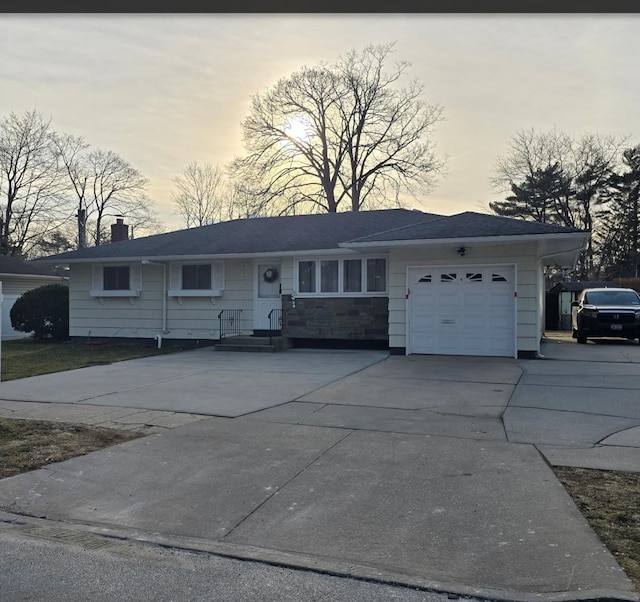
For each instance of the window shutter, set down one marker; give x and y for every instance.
(217, 275)
(96, 277)
(174, 275)
(135, 277)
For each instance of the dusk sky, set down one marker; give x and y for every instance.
(165, 90)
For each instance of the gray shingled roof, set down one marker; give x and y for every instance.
(259, 235)
(18, 267)
(297, 233)
(466, 225)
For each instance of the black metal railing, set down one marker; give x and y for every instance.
(275, 323)
(230, 322)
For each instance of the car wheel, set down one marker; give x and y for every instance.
(582, 338)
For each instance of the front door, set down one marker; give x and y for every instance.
(268, 294)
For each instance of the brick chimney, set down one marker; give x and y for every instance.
(119, 230)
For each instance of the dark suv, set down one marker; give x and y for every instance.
(606, 312)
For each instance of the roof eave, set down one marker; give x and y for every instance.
(30, 276)
(514, 238)
(168, 258)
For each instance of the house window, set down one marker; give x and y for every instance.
(307, 277)
(329, 276)
(115, 278)
(376, 275)
(352, 275)
(196, 276)
(448, 277)
(342, 276)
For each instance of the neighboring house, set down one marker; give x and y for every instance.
(559, 298)
(467, 284)
(18, 277)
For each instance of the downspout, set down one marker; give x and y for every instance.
(164, 292)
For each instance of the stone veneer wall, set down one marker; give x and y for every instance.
(349, 318)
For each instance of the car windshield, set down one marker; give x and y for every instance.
(612, 298)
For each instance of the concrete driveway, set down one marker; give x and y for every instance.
(424, 471)
(200, 381)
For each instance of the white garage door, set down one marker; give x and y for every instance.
(462, 310)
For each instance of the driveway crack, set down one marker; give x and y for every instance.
(293, 477)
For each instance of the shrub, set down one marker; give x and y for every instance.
(43, 311)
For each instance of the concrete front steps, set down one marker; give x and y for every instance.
(251, 343)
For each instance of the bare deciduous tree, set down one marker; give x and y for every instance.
(113, 189)
(71, 149)
(199, 196)
(337, 136)
(30, 183)
(103, 185)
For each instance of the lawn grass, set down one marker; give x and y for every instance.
(26, 357)
(610, 501)
(31, 444)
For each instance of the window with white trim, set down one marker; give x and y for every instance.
(331, 277)
(352, 275)
(307, 277)
(116, 280)
(376, 275)
(196, 276)
(196, 279)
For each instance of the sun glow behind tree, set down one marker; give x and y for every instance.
(338, 137)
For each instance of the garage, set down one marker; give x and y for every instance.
(462, 310)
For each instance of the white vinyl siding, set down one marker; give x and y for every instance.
(188, 317)
(523, 256)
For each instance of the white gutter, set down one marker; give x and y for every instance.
(33, 276)
(133, 259)
(576, 250)
(463, 239)
(164, 294)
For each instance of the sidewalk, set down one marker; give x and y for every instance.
(474, 518)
